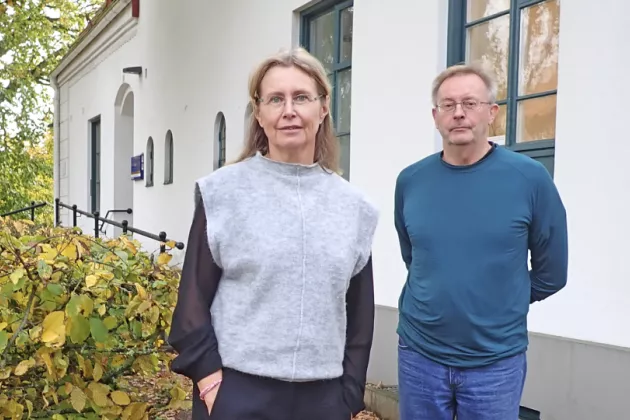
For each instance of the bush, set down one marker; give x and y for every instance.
(77, 313)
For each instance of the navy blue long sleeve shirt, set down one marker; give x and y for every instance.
(464, 233)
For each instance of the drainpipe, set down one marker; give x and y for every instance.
(56, 140)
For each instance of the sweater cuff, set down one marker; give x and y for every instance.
(353, 395)
(198, 356)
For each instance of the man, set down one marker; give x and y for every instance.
(466, 218)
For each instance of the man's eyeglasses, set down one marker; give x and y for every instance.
(467, 105)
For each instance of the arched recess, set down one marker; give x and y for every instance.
(220, 142)
(168, 158)
(123, 151)
(149, 158)
(248, 119)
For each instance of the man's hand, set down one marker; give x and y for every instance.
(211, 396)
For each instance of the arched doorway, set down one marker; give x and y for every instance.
(123, 151)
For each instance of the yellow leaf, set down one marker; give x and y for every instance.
(17, 275)
(102, 309)
(164, 258)
(97, 373)
(23, 367)
(3, 325)
(99, 394)
(91, 280)
(54, 328)
(134, 411)
(69, 251)
(120, 398)
(171, 244)
(142, 293)
(78, 399)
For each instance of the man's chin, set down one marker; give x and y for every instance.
(460, 140)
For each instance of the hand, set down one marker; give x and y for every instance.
(211, 396)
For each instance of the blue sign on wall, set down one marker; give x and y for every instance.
(137, 167)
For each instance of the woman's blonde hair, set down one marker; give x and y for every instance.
(326, 143)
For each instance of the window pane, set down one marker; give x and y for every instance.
(496, 131)
(345, 49)
(536, 119)
(540, 27)
(344, 143)
(344, 89)
(478, 9)
(489, 44)
(321, 39)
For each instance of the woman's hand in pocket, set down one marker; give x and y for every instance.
(211, 396)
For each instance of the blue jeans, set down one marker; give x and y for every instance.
(431, 391)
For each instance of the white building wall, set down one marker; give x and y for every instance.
(593, 175)
(198, 56)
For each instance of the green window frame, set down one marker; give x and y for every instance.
(326, 32)
(541, 149)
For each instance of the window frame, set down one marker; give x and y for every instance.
(307, 17)
(456, 54)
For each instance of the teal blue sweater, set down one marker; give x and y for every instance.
(464, 235)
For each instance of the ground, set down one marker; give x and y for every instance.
(149, 390)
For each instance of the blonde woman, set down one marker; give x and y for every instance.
(276, 303)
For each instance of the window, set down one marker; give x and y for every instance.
(168, 158)
(221, 140)
(518, 39)
(327, 34)
(95, 164)
(150, 160)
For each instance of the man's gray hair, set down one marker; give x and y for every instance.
(464, 69)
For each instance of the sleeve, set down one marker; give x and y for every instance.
(192, 334)
(399, 222)
(548, 241)
(359, 336)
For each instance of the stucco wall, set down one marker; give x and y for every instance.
(197, 57)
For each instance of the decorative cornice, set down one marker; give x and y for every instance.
(101, 21)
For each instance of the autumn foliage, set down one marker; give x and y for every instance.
(77, 313)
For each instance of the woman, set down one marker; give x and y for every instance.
(275, 312)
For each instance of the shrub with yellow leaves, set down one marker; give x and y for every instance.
(76, 313)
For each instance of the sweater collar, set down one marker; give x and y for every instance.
(284, 168)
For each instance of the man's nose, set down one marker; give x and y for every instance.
(458, 112)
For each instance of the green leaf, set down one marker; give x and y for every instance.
(79, 329)
(55, 289)
(98, 330)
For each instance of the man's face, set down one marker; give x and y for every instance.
(463, 114)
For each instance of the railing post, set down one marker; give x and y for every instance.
(162, 237)
(32, 211)
(125, 224)
(57, 215)
(95, 224)
(74, 215)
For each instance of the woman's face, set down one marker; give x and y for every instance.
(290, 110)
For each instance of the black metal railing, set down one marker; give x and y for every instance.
(30, 208)
(124, 225)
(128, 211)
